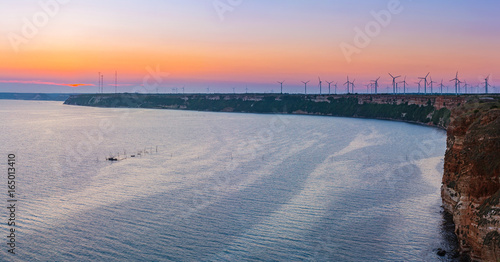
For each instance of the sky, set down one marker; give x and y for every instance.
(53, 46)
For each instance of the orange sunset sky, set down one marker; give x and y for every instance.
(61, 46)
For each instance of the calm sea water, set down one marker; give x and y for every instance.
(219, 186)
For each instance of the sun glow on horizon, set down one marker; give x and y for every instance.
(190, 43)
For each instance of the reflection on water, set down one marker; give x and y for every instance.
(227, 187)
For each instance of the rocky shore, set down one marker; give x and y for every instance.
(471, 185)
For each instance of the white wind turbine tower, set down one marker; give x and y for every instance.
(465, 86)
(329, 87)
(375, 82)
(457, 81)
(336, 87)
(486, 84)
(320, 91)
(425, 83)
(432, 82)
(281, 83)
(404, 85)
(441, 85)
(418, 83)
(305, 86)
(368, 87)
(394, 82)
(348, 84)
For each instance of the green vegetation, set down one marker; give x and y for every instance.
(441, 117)
(452, 184)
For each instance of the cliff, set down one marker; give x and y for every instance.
(471, 185)
(430, 110)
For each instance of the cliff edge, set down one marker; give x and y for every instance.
(471, 185)
(431, 110)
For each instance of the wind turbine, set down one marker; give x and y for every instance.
(320, 91)
(404, 85)
(348, 84)
(336, 87)
(375, 82)
(419, 82)
(99, 83)
(432, 82)
(394, 82)
(441, 85)
(281, 83)
(368, 87)
(102, 83)
(305, 86)
(457, 81)
(486, 84)
(329, 85)
(466, 85)
(425, 83)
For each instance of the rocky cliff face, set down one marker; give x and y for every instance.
(471, 184)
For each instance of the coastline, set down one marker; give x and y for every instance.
(432, 110)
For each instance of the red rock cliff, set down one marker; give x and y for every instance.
(471, 185)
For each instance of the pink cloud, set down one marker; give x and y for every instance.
(38, 82)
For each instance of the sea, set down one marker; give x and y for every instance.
(206, 186)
